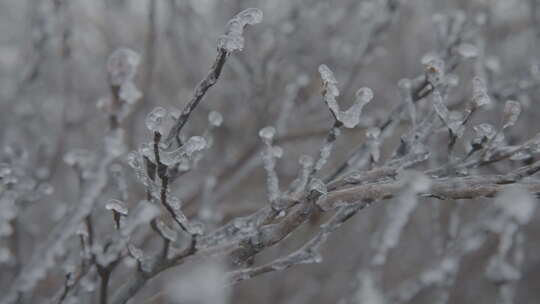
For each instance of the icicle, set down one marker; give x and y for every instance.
(233, 39)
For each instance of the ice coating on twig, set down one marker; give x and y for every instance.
(269, 155)
(480, 96)
(233, 39)
(453, 124)
(154, 119)
(351, 117)
(512, 110)
(192, 145)
(117, 206)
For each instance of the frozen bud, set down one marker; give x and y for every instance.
(122, 66)
(267, 133)
(480, 96)
(435, 71)
(467, 50)
(154, 119)
(117, 206)
(215, 119)
(512, 110)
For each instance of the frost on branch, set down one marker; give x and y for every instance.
(351, 117)
(233, 39)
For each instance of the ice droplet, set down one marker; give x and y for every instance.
(154, 119)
